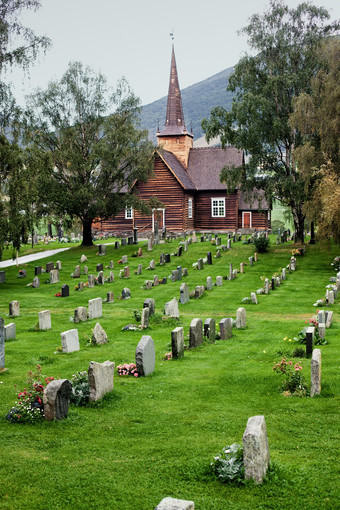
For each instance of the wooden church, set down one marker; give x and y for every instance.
(186, 182)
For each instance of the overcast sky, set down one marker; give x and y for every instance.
(130, 38)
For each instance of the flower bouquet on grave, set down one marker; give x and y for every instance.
(58, 294)
(127, 369)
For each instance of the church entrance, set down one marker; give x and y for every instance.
(246, 220)
(158, 220)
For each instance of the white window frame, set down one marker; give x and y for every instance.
(250, 219)
(189, 207)
(216, 209)
(128, 213)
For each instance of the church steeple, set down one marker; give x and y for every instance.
(174, 136)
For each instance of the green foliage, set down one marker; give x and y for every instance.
(293, 381)
(261, 244)
(228, 465)
(284, 41)
(97, 149)
(80, 389)
(276, 225)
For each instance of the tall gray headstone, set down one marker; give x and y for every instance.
(255, 449)
(56, 399)
(177, 343)
(315, 387)
(195, 333)
(10, 331)
(209, 283)
(241, 318)
(80, 314)
(95, 308)
(209, 329)
(54, 276)
(150, 303)
(70, 340)
(171, 308)
(100, 379)
(2, 344)
(184, 293)
(226, 328)
(145, 318)
(145, 356)
(14, 308)
(44, 319)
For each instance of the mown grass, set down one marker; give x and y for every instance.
(155, 436)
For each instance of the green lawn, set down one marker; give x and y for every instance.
(156, 436)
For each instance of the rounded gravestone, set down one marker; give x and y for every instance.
(145, 356)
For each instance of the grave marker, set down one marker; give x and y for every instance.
(171, 308)
(10, 332)
(14, 308)
(99, 337)
(145, 356)
(195, 333)
(255, 449)
(126, 293)
(177, 343)
(54, 276)
(209, 329)
(226, 327)
(36, 283)
(184, 293)
(109, 297)
(70, 340)
(145, 318)
(209, 283)
(95, 308)
(309, 341)
(149, 303)
(315, 388)
(44, 320)
(100, 379)
(241, 318)
(56, 399)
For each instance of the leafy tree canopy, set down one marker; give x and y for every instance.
(285, 41)
(96, 147)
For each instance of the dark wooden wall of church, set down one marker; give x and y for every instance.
(259, 220)
(204, 220)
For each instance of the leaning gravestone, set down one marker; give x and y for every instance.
(2, 344)
(255, 449)
(145, 356)
(10, 331)
(210, 329)
(14, 308)
(99, 336)
(70, 340)
(100, 379)
(36, 283)
(241, 318)
(171, 308)
(175, 504)
(58, 265)
(54, 276)
(56, 399)
(44, 320)
(83, 259)
(315, 387)
(199, 291)
(195, 333)
(95, 308)
(80, 314)
(184, 293)
(177, 343)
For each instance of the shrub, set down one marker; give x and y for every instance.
(261, 244)
(276, 225)
(80, 389)
(228, 465)
(293, 380)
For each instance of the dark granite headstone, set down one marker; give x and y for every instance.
(99, 267)
(65, 291)
(209, 258)
(273, 283)
(123, 241)
(49, 267)
(116, 245)
(167, 257)
(179, 269)
(135, 235)
(180, 249)
(309, 342)
(130, 240)
(2, 276)
(164, 280)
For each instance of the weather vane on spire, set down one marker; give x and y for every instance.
(172, 34)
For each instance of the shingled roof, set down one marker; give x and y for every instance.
(205, 165)
(255, 204)
(178, 170)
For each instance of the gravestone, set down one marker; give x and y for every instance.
(209, 283)
(99, 267)
(315, 387)
(56, 399)
(230, 271)
(126, 293)
(111, 277)
(266, 286)
(152, 264)
(184, 271)
(177, 343)
(171, 308)
(102, 249)
(184, 293)
(150, 303)
(2, 276)
(37, 270)
(218, 254)
(209, 258)
(83, 259)
(330, 297)
(161, 259)
(116, 245)
(241, 318)
(99, 336)
(224, 248)
(255, 449)
(85, 270)
(145, 318)
(186, 245)
(124, 259)
(150, 244)
(179, 269)
(49, 266)
(255, 256)
(95, 308)
(251, 261)
(219, 281)
(100, 379)
(140, 252)
(111, 265)
(70, 340)
(22, 273)
(10, 331)
(242, 267)
(2, 344)
(218, 241)
(130, 240)
(148, 284)
(199, 291)
(234, 274)
(309, 341)
(14, 308)
(200, 264)
(54, 276)
(253, 298)
(45, 320)
(100, 278)
(167, 258)
(195, 333)
(226, 328)
(109, 297)
(229, 244)
(329, 319)
(36, 283)
(145, 356)
(91, 281)
(321, 316)
(194, 238)
(139, 268)
(123, 241)
(80, 314)
(175, 275)
(209, 329)
(76, 272)
(273, 283)
(164, 280)
(322, 329)
(126, 272)
(58, 265)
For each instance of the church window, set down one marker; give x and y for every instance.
(218, 207)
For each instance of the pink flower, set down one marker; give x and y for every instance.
(136, 374)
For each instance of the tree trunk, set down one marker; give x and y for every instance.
(299, 224)
(87, 233)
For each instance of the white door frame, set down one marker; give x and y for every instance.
(250, 218)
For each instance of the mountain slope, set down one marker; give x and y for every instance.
(198, 100)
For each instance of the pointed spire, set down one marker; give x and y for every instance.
(174, 123)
